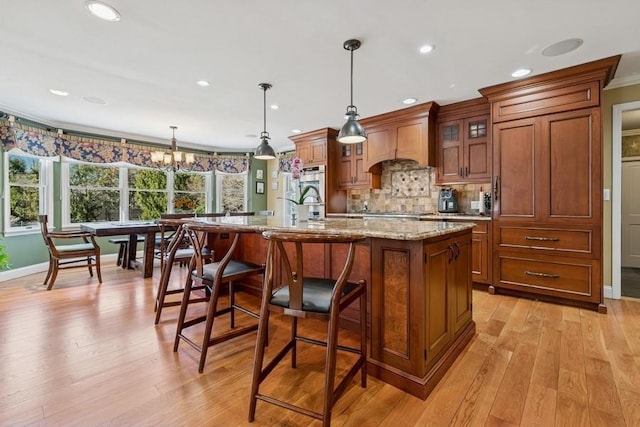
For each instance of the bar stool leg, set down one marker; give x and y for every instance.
(258, 360)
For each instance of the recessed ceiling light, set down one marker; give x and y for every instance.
(426, 48)
(296, 130)
(203, 83)
(102, 10)
(521, 72)
(562, 47)
(274, 106)
(94, 100)
(409, 101)
(452, 85)
(59, 92)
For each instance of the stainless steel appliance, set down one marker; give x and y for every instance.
(447, 201)
(313, 177)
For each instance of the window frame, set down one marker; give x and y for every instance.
(65, 190)
(218, 200)
(45, 193)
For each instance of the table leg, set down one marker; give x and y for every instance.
(133, 247)
(149, 246)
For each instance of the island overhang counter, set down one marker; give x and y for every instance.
(419, 287)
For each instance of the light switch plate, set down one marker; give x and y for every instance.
(606, 194)
(475, 204)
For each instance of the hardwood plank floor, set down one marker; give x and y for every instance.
(88, 354)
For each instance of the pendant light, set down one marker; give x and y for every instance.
(264, 150)
(352, 132)
(175, 160)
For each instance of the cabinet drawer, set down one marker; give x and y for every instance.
(573, 241)
(564, 278)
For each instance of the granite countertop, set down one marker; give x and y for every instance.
(395, 229)
(413, 215)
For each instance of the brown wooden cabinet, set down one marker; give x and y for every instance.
(312, 149)
(352, 173)
(402, 134)
(316, 148)
(481, 252)
(428, 280)
(464, 143)
(547, 188)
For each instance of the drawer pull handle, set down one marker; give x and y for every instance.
(542, 239)
(549, 276)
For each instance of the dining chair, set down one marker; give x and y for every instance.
(69, 254)
(212, 276)
(301, 297)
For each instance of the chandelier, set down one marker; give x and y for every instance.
(175, 160)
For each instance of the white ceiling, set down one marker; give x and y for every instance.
(145, 66)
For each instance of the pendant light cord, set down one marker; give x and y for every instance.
(351, 101)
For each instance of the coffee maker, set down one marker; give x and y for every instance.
(447, 201)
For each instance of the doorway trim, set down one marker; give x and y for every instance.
(615, 291)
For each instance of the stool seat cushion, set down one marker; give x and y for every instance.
(316, 294)
(233, 268)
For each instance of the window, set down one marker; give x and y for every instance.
(231, 192)
(92, 192)
(190, 192)
(148, 195)
(25, 178)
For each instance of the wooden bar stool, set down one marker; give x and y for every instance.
(212, 276)
(174, 252)
(306, 297)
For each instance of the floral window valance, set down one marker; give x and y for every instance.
(43, 143)
(285, 162)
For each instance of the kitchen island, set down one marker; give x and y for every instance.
(419, 288)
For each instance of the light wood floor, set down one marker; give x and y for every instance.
(87, 354)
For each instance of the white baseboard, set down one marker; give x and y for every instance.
(39, 268)
(608, 291)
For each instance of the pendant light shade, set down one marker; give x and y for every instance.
(264, 151)
(352, 132)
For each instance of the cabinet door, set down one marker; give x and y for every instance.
(459, 277)
(303, 151)
(361, 178)
(345, 175)
(517, 170)
(450, 154)
(479, 258)
(477, 150)
(318, 152)
(437, 303)
(571, 172)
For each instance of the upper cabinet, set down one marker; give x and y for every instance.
(464, 143)
(311, 147)
(352, 173)
(317, 148)
(404, 134)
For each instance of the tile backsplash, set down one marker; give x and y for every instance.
(406, 187)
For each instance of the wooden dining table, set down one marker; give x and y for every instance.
(132, 229)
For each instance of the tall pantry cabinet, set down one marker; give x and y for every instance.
(547, 184)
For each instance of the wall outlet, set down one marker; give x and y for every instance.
(475, 204)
